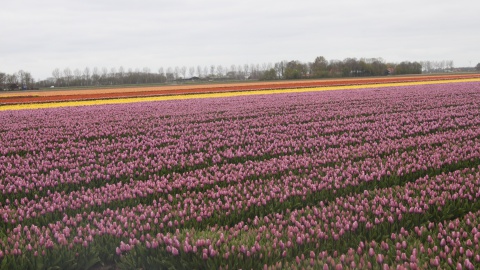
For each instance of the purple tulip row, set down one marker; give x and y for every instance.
(278, 234)
(93, 163)
(263, 188)
(133, 149)
(162, 168)
(274, 236)
(450, 244)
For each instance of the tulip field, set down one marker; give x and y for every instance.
(367, 178)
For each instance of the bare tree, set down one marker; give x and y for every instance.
(199, 71)
(449, 64)
(121, 74)
(283, 66)
(68, 75)
(176, 72)
(25, 79)
(191, 71)
(86, 75)
(113, 73)
(205, 71)
(212, 70)
(264, 67)
(246, 71)
(231, 72)
(258, 70)
(57, 75)
(96, 76)
(77, 77)
(12, 78)
(146, 75)
(161, 75)
(183, 70)
(442, 65)
(29, 81)
(104, 76)
(137, 76)
(3, 78)
(254, 70)
(21, 78)
(129, 76)
(428, 66)
(239, 73)
(170, 76)
(219, 71)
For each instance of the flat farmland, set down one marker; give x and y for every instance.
(375, 175)
(123, 92)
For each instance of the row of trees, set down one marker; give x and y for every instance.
(319, 68)
(436, 66)
(21, 79)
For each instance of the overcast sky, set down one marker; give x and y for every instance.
(39, 36)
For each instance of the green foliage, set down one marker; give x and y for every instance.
(408, 68)
(269, 75)
(295, 70)
(319, 68)
(142, 258)
(59, 258)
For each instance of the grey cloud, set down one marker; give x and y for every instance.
(152, 34)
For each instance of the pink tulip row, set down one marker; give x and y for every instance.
(30, 179)
(450, 244)
(72, 159)
(279, 234)
(24, 176)
(264, 156)
(259, 191)
(274, 236)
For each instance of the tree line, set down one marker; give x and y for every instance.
(17, 80)
(283, 70)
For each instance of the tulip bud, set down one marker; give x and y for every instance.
(468, 265)
(380, 259)
(469, 253)
(371, 252)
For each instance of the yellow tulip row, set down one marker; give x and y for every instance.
(217, 95)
